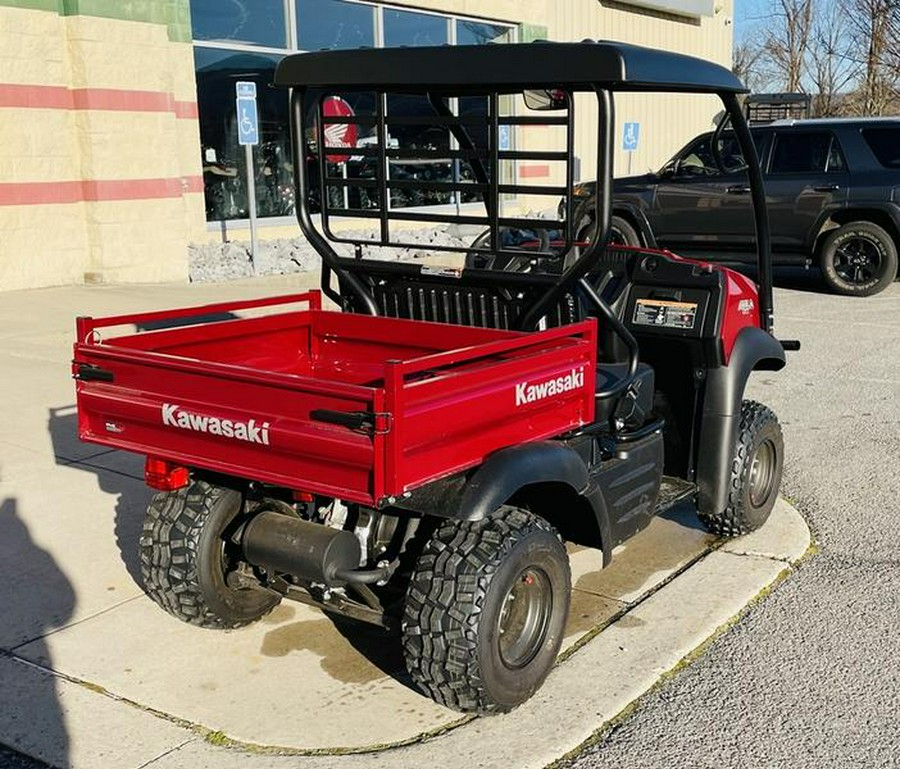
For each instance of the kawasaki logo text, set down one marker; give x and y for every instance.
(529, 393)
(250, 431)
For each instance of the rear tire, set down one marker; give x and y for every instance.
(485, 611)
(755, 474)
(186, 556)
(858, 259)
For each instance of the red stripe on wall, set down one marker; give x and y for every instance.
(37, 193)
(34, 193)
(192, 183)
(534, 172)
(186, 110)
(107, 99)
(35, 96)
(121, 100)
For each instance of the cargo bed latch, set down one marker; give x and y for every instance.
(90, 373)
(370, 422)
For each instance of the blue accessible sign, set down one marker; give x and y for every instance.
(247, 116)
(630, 136)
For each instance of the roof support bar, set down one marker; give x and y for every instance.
(302, 185)
(591, 255)
(760, 213)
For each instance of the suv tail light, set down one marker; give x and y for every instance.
(165, 476)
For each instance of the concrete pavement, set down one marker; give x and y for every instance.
(93, 674)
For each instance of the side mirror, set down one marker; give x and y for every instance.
(546, 99)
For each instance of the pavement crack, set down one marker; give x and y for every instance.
(56, 630)
(168, 752)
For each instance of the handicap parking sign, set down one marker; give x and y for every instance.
(247, 117)
(630, 136)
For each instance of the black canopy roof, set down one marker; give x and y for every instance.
(507, 67)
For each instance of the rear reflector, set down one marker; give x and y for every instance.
(165, 476)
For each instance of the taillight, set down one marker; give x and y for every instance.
(165, 476)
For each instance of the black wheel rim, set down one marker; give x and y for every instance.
(857, 260)
(762, 474)
(616, 238)
(524, 617)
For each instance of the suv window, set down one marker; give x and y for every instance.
(806, 152)
(698, 159)
(885, 145)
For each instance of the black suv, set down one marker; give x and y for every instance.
(832, 185)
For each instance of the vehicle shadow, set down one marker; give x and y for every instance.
(30, 710)
(117, 473)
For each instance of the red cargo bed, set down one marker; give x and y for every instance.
(258, 397)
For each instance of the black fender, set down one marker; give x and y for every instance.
(635, 214)
(754, 350)
(507, 471)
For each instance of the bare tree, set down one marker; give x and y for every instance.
(873, 30)
(829, 62)
(747, 65)
(786, 41)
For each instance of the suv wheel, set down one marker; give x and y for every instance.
(858, 259)
(621, 231)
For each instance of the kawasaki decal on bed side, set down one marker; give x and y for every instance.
(529, 393)
(251, 431)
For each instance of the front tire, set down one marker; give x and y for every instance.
(858, 259)
(485, 611)
(187, 557)
(621, 231)
(756, 469)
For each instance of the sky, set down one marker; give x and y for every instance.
(746, 15)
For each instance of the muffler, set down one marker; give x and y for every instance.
(307, 550)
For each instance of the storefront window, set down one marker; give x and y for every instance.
(258, 22)
(325, 24)
(470, 32)
(413, 29)
(258, 25)
(224, 160)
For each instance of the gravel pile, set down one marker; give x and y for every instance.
(215, 262)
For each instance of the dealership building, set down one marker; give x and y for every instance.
(120, 143)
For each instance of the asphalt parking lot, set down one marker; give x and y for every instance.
(809, 677)
(805, 678)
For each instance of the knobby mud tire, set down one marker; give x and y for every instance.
(458, 605)
(756, 470)
(184, 563)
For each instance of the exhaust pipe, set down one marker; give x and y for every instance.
(307, 550)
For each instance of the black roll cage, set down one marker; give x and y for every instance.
(492, 71)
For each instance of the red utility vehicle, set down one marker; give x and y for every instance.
(417, 459)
